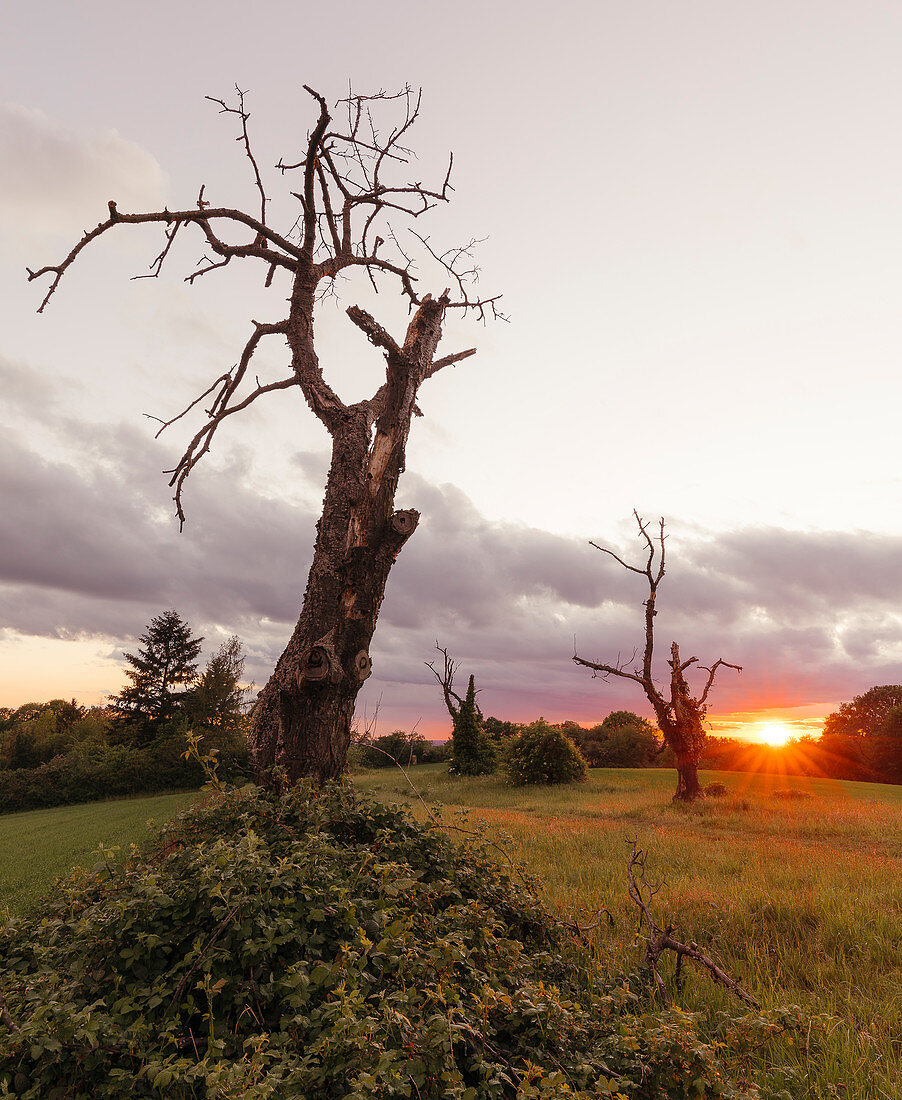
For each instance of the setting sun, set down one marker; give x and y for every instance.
(774, 733)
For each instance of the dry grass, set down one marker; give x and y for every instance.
(799, 895)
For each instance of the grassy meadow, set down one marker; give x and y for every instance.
(39, 846)
(797, 895)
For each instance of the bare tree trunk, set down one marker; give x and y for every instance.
(302, 722)
(688, 786)
(681, 717)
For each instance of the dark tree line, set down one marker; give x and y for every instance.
(166, 689)
(165, 697)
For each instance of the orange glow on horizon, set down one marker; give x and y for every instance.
(773, 726)
(775, 733)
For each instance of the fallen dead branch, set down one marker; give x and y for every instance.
(658, 939)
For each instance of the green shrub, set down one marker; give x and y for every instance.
(543, 754)
(716, 790)
(94, 770)
(390, 750)
(622, 740)
(321, 946)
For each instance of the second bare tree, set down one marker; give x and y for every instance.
(680, 714)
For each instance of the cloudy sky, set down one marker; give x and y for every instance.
(693, 212)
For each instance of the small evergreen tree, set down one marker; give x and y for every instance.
(217, 699)
(161, 672)
(472, 749)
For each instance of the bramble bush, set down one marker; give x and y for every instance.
(543, 754)
(321, 945)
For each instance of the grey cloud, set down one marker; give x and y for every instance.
(89, 548)
(52, 179)
(807, 573)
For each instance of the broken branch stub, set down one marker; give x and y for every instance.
(363, 665)
(405, 521)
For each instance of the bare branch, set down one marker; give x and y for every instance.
(446, 680)
(619, 560)
(327, 204)
(200, 444)
(712, 671)
(448, 360)
(223, 379)
(610, 670)
(244, 116)
(660, 939)
(157, 266)
(168, 217)
(310, 163)
(374, 332)
(227, 384)
(449, 260)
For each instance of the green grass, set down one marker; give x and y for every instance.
(39, 846)
(799, 897)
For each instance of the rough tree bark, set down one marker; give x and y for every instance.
(681, 716)
(302, 719)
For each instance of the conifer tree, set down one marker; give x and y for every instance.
(217, 700)
(161, 673)
(472, 750)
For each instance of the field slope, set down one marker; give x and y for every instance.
(39, 846)
(795, 885)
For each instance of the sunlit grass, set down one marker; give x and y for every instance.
(39, 846)
(799, 895)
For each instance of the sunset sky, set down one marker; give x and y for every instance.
(694, 213)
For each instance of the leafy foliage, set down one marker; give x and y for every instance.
(868, 715)
(217, 699)
(34, 733)
(395, 748)
(543, 754)
(622, 740)
(473, 751)
(94, 770)
(501, 731)
(322, 946)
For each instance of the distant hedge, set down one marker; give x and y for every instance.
(94, 771)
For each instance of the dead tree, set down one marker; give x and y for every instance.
(473, 751)
(658, 939)
(302, 719)
(681, 717)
